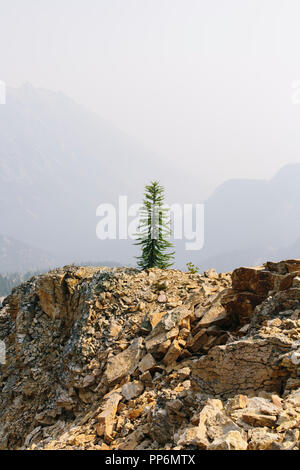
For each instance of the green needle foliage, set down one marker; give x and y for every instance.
(154, 230)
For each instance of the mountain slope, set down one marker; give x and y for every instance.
(58, 162)
(16, 256)
(104, 359)
(250, 220)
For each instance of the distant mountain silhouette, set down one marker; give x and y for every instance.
(248, 221)
(58, 162)
(16, 256)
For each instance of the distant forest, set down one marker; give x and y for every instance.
(9, 281)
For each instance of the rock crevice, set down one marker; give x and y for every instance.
(102, 358)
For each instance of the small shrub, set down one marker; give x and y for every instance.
(192, 268)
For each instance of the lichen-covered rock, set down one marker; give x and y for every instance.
(106, 418)
(132, 390)
(243, 366)
(233, 440)
(124, 363)
(104, 359)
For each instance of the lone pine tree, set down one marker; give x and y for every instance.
(154, 230)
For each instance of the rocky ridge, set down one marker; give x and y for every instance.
(102, 358)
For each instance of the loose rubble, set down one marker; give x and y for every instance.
(114, 358)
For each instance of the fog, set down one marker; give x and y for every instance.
(210, 89)
(205, 84)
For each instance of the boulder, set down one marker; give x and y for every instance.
(172, 354)
(125, 363)
(233, 440)
(214, 422)
(283, 267)
(214, 314)
(56, 292)
(106, 418)
(240, 366)
(197, 342)
(166, 329)
(262, 439)
(240, 306)
(255, 280)
(257, 420)
(132, 390)
(147, 363)
(192, 437)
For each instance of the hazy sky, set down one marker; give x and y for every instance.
(205, 83)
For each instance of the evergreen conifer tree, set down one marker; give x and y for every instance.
(154, 230)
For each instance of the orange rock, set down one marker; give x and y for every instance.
(107, 416)
(277, 401)
(198, 341)
(135, 413)
(147, 363)
(172, 354)
(104, 446)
